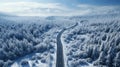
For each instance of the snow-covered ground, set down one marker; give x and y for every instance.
(31, 41)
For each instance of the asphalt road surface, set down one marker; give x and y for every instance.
(60, 55)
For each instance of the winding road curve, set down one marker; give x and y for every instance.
(60, 55)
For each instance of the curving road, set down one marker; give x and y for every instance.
(60, 55)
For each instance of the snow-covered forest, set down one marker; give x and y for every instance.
(93, 42)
